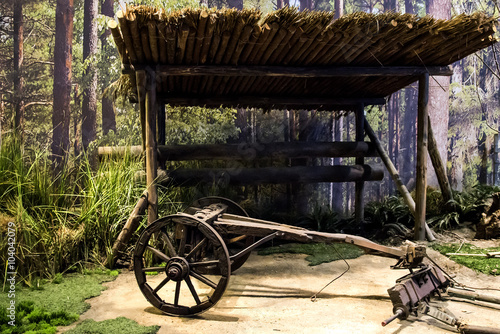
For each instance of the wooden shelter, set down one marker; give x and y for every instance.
(293, 60)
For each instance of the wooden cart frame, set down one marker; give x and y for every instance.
(200, 248)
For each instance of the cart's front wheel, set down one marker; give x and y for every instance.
(171, 259)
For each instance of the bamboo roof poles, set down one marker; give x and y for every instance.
(287, 59)
(216, 39)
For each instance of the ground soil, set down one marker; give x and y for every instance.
(272, 293)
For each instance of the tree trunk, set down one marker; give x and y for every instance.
(62, 82)
(390, 5)
(18, 63)
(89, 104)
(439, 98)
(238, 4)
(108, 110)
(305, 5)
(408, 136)
(339, 9)
(409, 8)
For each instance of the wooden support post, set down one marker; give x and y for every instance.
(439, 167)
(422, 136)
(161, 124)
(360, 185)
(161, 130)
(151, 145)
(140, 78)
(395, 177)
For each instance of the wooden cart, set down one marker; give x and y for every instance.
(199, 248)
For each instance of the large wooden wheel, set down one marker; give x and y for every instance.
(234, 242)
(171, 259)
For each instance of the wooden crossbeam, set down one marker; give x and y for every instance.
(272, 175)
(295, 71)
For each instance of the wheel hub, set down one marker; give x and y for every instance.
(177, 269)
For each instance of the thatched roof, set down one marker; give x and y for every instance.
(212, 42)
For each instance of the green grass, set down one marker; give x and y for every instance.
(318, 252)
(67, 293)
(32, 319)
(45, 305)
(113, 326)
(69, 218)
(490, 266)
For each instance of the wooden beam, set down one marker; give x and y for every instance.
(359, 203)
(231, 224)
(141, 82)
(129, 228)
(391, 169)
(299, 71)
(161, 135)
(320, 103)
(422, 138)
(395, 177)
(273, 175)
(151, 146)
(281, 150)
(250, 151)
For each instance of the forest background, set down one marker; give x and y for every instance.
(58, 64)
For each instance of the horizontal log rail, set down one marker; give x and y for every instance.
(293, 71)
(289, 102)
(272, 175)
(250, 152)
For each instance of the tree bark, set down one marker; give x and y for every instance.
(439, 97)
(62, 82)
(108, 110)
(18, 63)
(89, 104)
(389, 5)
(408, 137)
(305, 5)
(339, 9)
(409, 8)
(238, 4)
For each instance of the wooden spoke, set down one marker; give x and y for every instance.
(193, 291)
(177, 293)
(203, 279)
(158, 253)
(144, 270)
(161, 285)
(204, 263)
(170, 246)
(197, 248)
(182, 246)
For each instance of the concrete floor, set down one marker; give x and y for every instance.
(271, 294)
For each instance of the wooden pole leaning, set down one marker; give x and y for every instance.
(422, 138)
(395, 177)
(129, 228)
(150, 112)
(360, 185)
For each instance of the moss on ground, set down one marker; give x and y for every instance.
(317, 252)
(113, 326)
(66, 293)
(490, 266)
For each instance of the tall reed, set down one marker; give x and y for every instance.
(70, 218)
